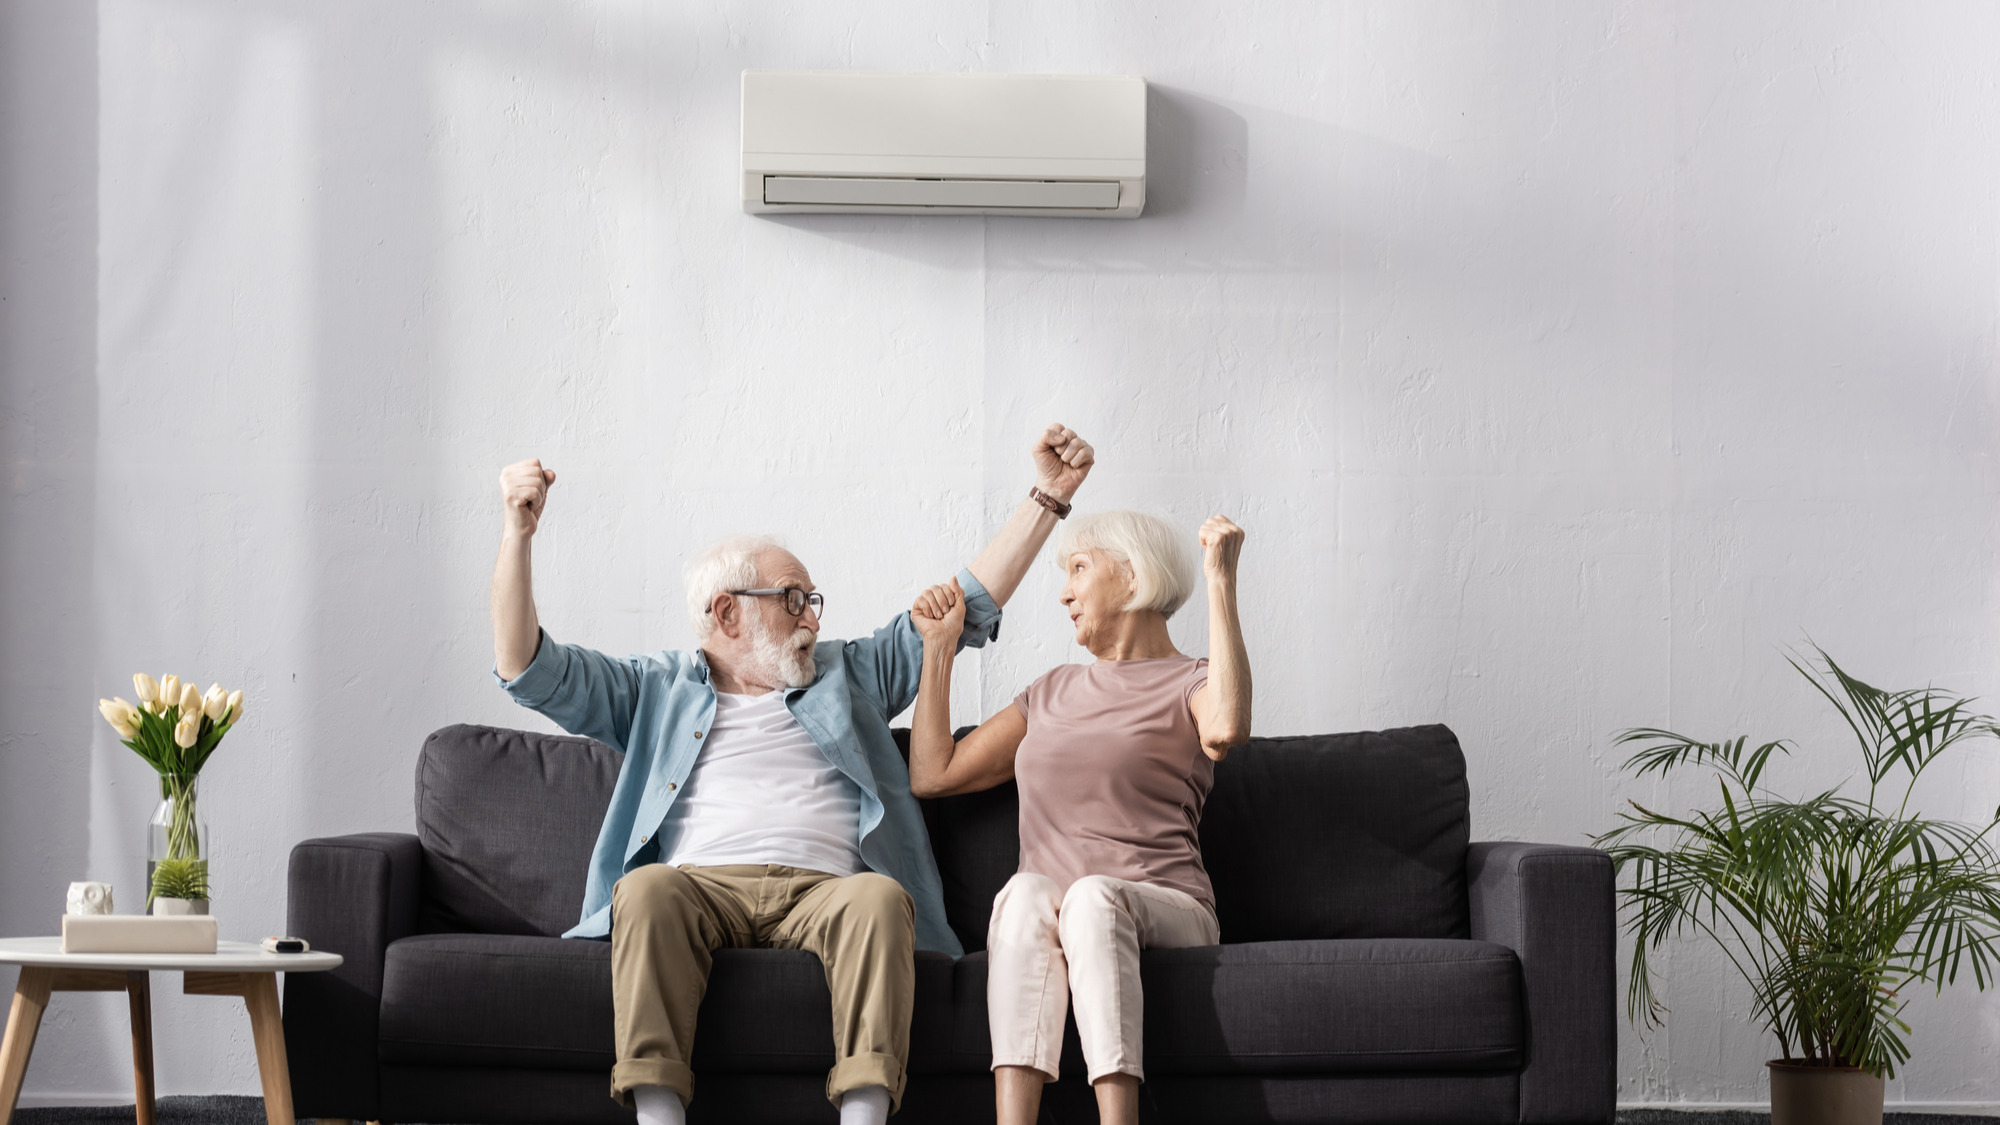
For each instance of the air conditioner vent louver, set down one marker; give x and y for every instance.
(972, 144)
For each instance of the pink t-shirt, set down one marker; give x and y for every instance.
(1112, 775)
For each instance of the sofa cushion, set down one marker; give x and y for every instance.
(976, 838)
(501, 1000)
(507, 819)
(1377, 1005)
(497, 1000)
(1340, 836)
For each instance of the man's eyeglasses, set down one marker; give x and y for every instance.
(796, 600)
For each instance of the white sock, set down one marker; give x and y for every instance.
(867, 1106)
(660, 1106)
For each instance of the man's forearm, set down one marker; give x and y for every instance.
(1005, 561)
(517, 631)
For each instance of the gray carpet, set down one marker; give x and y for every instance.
(217, 1110)
(221, 1110)
(1737, 1117)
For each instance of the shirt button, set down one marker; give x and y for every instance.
(697, 734)
(670, 786)
(642, 839)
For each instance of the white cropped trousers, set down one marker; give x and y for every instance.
(1043, 947)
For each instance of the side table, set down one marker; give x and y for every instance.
(236, 968)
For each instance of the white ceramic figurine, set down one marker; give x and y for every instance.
(89, 898)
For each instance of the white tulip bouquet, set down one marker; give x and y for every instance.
(175, 727)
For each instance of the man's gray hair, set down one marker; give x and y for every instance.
(1163, 569)
(729, 565)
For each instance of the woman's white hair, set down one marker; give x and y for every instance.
(1163, 569)
(729, 565)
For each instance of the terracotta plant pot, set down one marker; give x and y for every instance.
(1824, 1095)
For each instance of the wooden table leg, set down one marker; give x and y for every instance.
(267, 1029)
(31, 999)
(139, 989)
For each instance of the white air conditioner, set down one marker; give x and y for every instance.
(944, 144)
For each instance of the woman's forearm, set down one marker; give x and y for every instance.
(930, 722)
(1228, 670)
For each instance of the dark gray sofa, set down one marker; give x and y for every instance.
(1378, 967)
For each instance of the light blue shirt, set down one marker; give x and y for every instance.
(655, 709)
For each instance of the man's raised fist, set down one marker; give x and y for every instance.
(524, 489)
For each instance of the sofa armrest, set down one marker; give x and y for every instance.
(1554, 907)
(350, 895)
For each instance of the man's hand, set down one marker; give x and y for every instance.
(524, 489)
(1062, 460)
(939, 615)
(1221, 543)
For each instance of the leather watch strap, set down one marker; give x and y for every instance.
(1051, 503)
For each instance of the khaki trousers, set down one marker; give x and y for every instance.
(666, 921)
(1045, 946)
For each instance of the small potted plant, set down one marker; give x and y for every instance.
(1832, 907)
(175, 727)
(180, 886)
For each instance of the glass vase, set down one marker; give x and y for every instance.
(177, 840)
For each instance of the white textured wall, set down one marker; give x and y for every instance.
(1561, 359)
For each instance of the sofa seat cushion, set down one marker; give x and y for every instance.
(497, 1000)
(1363, 1005)
(545, 1003)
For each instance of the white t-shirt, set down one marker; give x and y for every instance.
(761, 792)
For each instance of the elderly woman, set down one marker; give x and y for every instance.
(1113, 760)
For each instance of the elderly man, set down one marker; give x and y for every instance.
(761, 800)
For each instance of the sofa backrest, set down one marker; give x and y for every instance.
(1340, 836)
(1325, 836)
(507, 819)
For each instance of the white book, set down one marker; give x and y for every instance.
(138, 933)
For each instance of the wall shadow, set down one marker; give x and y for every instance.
(1197, 155)
(48, 449)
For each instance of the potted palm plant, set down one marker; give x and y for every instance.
(1833, 907)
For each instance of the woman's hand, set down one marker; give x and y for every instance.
(1221, 544)
(939, 614)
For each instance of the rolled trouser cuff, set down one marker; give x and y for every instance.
(1027, 1063)
(671, 1073)
(1128, 1069)
(863, 1070)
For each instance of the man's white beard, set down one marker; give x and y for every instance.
(788, 661)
